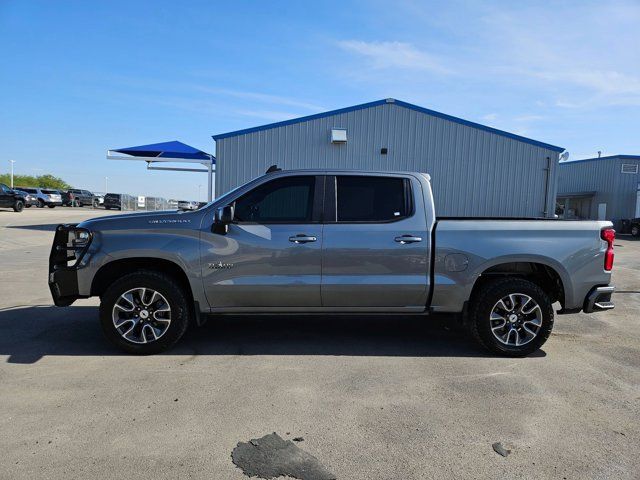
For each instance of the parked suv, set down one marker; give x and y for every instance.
(44, 196)
(29, 200)
(79, 198)
(10, 198)
(119, 201)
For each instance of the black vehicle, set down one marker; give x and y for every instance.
(119, 201)
(29, 200)
(78, 198)
(634, 223)
(9, 198)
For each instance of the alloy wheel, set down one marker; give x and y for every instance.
(515, 319)
(141, 315)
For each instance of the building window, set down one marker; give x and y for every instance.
(629, 168)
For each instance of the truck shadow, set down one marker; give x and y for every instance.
(29, 333)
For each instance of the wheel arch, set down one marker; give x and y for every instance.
(551, 279)
(111, 271)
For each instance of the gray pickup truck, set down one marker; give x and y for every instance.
(331, 241)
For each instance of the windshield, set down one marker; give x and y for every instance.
(228, 194)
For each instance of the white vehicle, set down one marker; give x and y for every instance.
(188, 205)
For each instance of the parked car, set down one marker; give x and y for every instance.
(100, 198)
(44, 196)
(79, 198)
(10, 198)
(188, 205)
(119, 201)
(325, 241)
(29, 200)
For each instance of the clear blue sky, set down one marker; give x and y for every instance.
(80, 77)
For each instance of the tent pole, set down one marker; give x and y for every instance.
(210, 174)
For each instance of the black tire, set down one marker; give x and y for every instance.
(161, 283)
(635, 230)
(79, 204)
(51, 206)
(18, 206)
(40, 203)
(483, 303)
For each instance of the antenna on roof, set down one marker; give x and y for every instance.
(273, 168)
(599, 153)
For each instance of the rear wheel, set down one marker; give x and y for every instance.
(511, 317)
(18, 206)
(51, 206)
(144, 312)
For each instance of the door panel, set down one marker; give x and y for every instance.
(258, 266)
(271, 257)
(369, 264)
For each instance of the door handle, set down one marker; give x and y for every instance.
(302, 238)
(404, 239)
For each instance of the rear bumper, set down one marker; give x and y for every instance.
(599, 299)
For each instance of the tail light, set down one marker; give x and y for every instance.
(608, 235)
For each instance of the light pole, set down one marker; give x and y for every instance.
(12, 162)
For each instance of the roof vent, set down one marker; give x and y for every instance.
(338, 135)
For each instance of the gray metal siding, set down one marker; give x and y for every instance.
(474, 172)
(616, 189)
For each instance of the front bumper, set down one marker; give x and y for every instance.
(599, 299)
(63, 268)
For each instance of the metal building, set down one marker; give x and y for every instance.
(476, 170)
(603, 188)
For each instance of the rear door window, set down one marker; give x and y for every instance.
(372, 199)
(284, 200)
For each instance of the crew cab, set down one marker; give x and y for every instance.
(332, 241)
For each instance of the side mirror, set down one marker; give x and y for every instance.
(224, 214)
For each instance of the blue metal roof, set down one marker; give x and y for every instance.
(173, 149)
(609, 157)
(393, 101)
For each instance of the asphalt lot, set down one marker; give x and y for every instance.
(373, 398)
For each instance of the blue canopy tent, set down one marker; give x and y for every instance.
(169, 152)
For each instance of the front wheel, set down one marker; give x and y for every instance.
(51, 206)
(144, 312)
(18, 206)
(40, 203)
(511, 317)
(635, 231)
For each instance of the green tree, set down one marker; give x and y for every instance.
(44, 181)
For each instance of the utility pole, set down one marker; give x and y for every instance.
(12, 162)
